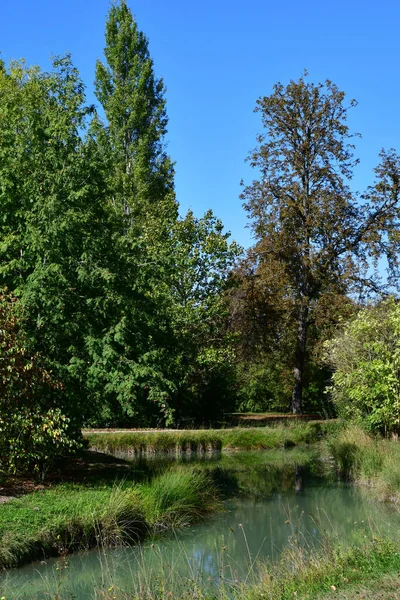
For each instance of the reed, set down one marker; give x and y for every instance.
(372, 462)
(203, 440)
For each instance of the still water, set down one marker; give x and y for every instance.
(270, 510)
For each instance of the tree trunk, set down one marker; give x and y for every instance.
(300, 356)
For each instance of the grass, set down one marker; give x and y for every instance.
(382, 588)
(71, 517)
(179, 441)
(177, 498)
(333, 573)
(327, 572)
(370, 462)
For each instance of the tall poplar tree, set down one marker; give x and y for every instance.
(139, 178)
(140, 171)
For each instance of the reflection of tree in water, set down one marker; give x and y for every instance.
(257, 474)
(298, 478)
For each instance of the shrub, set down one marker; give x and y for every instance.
(30, 439)
(33, 429)
(365, 357)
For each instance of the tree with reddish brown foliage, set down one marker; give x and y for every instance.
(310, 227)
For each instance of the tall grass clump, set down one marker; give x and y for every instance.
(387, 483)
(177, 498)
(368, 460)
(347, 449)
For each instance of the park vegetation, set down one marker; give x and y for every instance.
(118, 311)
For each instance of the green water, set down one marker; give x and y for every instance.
(270, 509)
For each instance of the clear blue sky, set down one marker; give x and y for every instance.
(216, 58)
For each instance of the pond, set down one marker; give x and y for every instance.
(269, 508)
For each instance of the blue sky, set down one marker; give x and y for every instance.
(216, 58)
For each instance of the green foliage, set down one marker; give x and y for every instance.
(32, 438)
(53, 234)
(32, 430)
(165, 366)
(365, 355)
(264, 386)
(301, 208)
(204, 363)
(123, 300)
(139, 172)
(314, 237)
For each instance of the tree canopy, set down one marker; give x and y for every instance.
(115, 287)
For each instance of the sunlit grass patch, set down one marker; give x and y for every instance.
(203, 440)
(72, 517)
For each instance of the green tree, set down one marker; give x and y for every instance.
(184, 263)
(365, 357)
(304, 215)
(132, 359)
(52, 233)
(203, 366)
(140, 173)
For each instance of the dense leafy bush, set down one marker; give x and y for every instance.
(33, 430)
(366, 358)
(32, 438)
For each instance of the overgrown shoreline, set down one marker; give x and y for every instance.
(115, 503)
(203, 440)
(84, 513)
(370, 462)
(71, 517)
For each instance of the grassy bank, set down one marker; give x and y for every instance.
(369, 461)
(71, 517)
(385, 587)
(203, 440)
(324, 574)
